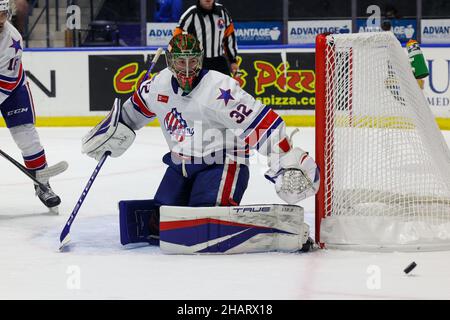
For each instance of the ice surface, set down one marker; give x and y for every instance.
(31, 267)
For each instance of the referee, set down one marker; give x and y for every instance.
(212, 25)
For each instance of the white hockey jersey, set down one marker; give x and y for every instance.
(217, 115)
(12, 75)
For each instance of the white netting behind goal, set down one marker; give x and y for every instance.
(387, 165)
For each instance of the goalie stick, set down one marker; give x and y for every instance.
(45, 173)
(64, 238)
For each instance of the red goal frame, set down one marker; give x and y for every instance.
(320, 118)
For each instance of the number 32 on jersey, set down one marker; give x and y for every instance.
(241, 113)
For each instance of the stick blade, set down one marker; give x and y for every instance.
(64, 232)
(64, 243)
(52, 171)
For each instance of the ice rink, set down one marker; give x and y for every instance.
(98, 267)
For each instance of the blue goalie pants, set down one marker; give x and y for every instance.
(200, 184)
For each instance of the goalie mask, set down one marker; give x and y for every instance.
(184, 56)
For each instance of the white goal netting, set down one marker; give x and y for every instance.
(386, 163)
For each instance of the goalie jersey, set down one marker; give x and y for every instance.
(12, 75)
(217, 115)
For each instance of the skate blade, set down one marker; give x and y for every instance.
(53, 211)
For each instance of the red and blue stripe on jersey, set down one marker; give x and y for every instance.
(8, 84)
(140, 105)
(261, 128)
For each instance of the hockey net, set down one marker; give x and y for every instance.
(385, 166)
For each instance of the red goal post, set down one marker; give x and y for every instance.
(321, 48)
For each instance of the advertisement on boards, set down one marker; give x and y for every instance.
(437, 84)
(435, 30)
(285, 85)
(90, 83)
(259, 33)
(304, 32)
(159, 34)
(404, 29)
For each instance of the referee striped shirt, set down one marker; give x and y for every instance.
(213, 28)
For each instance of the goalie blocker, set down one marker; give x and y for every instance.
(220, 230)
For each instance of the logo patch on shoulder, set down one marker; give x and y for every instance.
(162, 98)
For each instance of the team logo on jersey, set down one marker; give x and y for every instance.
(176, 126)
(220, 23)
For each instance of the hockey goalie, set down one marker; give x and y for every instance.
(210, 125)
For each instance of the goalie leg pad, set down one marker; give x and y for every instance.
(229, 230)
(139, 222)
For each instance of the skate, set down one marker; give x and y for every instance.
(308, 245)
(48, 197)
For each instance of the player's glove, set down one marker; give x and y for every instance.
(295, 174)
(109, 135)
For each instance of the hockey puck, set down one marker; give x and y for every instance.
(409, 268)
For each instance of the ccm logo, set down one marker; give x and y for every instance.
(17, 111)
(252, 209)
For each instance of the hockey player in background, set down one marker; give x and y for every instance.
(210, 125)
(16, 104)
